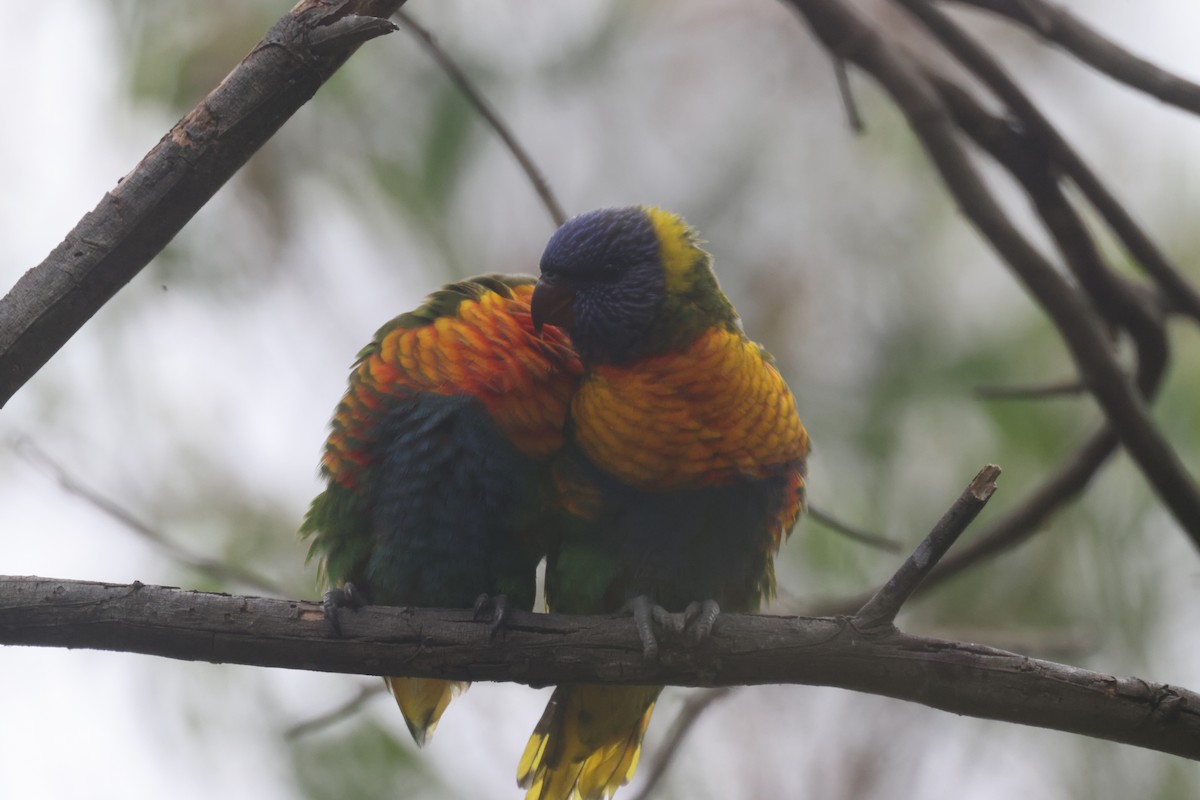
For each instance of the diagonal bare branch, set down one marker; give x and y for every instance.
(881, 610)
(489, 114)
(684, 722)
(1120, 301)
(853, 117)
(213, 568)
(144, 211)
(365, 694)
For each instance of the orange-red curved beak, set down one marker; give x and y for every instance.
(552, 304)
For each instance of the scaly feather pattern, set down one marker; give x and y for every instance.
(683, 469)
(437, 461)
(681, 419)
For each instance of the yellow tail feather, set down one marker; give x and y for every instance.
(587, 742)
(422, 701)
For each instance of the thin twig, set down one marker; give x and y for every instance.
(691, 712)
(1056, 24)
(489, 114)
(1016, 527)
(210, 567)
(850, 532)
(881, 610)
(352, 706)
(1020, 523)
(853, 117)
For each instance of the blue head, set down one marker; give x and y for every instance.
(603, 281)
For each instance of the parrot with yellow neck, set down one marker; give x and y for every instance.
(681, 471)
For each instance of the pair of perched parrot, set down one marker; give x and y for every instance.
(612, 418)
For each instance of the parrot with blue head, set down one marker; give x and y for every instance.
(681, 472)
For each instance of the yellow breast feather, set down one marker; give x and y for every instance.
(709, 415)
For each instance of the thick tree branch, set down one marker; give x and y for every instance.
(541, 649)
(137, 219)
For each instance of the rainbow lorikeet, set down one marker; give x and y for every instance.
(682, 470)
(437, 464)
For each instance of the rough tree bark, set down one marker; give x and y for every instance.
(542, 649)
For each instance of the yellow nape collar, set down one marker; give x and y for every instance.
(679, 247)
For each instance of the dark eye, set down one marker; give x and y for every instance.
(609, 271)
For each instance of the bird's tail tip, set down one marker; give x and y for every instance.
(422, 701)
(587, 743)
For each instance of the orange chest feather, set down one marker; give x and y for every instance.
(709, 415)
(486, 350)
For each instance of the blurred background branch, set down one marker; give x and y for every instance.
(836, 25)
(489, 115)
(1059, 26)
(850, 532)
(354, 705)
(681, 726)
(217, 569)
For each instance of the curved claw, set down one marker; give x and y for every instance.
(345, 596)
(698, 619)
(493, 608)
(646, 614)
